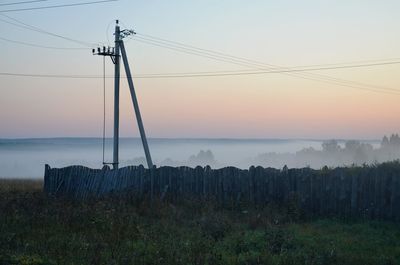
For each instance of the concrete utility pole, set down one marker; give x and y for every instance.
(116, 96)
(114, 54)
(136, 106)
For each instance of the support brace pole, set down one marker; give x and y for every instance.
(136, 105)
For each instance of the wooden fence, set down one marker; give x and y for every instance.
(370, 192)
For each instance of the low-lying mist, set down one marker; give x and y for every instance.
(331, 154)
(26, 157)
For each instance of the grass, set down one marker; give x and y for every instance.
(35, 229)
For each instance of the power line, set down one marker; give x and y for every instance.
(23, 2)
(307, 76)
(221, 57)
(181, 74)
(253, 61)
(207, 74)
(240, 59)
(56, 6)
(41, 46)
(213, 57)
(330, 80)
(23, 25)
(215, 74)
(167, 76)
(189, 52)
(254, 64)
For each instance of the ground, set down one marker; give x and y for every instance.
(35, 229)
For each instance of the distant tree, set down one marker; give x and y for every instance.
(331, 146)
(385, 142)
(367, 147)
(394, 140)
(359, 151)
(307, 151)
(202, 158)
(352, 145)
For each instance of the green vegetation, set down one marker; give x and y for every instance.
(39, 230)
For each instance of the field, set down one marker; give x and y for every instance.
(35, 229)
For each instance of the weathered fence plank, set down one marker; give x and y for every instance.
(370, 192)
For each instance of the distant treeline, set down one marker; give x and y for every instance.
(333, 154)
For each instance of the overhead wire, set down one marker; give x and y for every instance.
(213, 57)
(50, 33)
(40, 46)
(190, 52)
(23, 25)
(166, 76)
(22, 2)
(252, 63)
(220, 73)
(259, 66)
(288, 72)
(310, 76)
(56, 6)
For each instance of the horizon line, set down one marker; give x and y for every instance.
(194, 138)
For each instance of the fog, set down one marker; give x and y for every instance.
(25, 158)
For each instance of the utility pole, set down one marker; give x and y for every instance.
(116, 96)
(114, 54)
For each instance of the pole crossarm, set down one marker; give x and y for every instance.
(109, 51)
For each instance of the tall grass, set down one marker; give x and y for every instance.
(35, 229)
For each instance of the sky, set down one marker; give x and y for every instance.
(285, 33)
